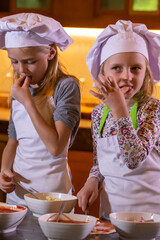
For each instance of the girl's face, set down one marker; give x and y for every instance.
(30, 62)
(128, 70)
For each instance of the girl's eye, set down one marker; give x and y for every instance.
(116, 68)
(13, 62)
(136, 68)
(27, 62)
(31, 62)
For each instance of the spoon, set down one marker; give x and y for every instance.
(60, 211)
(86, 211)
(28, 190)
(59, 214)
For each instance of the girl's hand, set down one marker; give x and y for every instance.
(6, 181)
(88, 194)
(20, 90)
(111, 95)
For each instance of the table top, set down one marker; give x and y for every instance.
(29, 229)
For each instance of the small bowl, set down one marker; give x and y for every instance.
(67, 230)
(136, 225)
(10, 217)
(42, 206)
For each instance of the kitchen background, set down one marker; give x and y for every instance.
(83, 20)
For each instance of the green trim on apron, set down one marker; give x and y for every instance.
(133, 115)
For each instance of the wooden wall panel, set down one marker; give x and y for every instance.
(80, 163)
(87, 13)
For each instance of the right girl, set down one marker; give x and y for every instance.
(126, 126)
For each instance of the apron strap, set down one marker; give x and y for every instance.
(133, 115)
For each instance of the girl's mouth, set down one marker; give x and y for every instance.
(33, 85)
(126, 88)
(25, 76)
(126, 85)
(30, 78)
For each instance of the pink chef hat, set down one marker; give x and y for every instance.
(31, 29)
(125, 36)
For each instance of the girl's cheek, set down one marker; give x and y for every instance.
(106, 74)
(15, 68)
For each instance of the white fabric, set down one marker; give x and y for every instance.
(20, 39)
(34, 166)
(123, 42)
(31, 29)
(126, 189)
(122, 26)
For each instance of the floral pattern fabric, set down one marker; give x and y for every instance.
(135, 145)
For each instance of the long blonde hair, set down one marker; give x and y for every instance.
(53, 74)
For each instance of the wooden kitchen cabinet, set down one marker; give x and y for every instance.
(3, 141)
(80, 163)
(82, 13)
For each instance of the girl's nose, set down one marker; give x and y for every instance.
(22, 69)
(126, 74)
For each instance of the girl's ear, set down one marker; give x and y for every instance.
(52, 53)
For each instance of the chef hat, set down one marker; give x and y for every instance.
(125, 36)
(123, 42)
(31, 29)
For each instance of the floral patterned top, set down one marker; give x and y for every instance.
(134, 145)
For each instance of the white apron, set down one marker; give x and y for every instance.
(34, 166)
(125, 189)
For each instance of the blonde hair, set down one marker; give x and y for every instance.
(146, 91)
(53, 74)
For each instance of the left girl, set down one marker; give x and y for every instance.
(45, 111)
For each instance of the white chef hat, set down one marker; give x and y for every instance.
(31, 29)
(123, 42)
(125, 36)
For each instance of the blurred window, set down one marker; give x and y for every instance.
(32, 3)
(145, 5)
(112, 4)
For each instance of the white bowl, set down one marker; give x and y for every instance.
(10, 221)
(67, 231)
(134, 225)
(42, 206)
